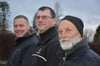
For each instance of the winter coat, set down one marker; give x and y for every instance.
(21, 54)
(47, 51)
(82, 55)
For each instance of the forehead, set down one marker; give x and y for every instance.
(66, 24)
(44, 12)
(20, 21)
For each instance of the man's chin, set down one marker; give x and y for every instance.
(19, 36)
(66, 45)
(41, 28)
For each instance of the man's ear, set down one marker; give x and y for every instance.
(29, 27)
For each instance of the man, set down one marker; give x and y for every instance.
(25, 42)
(48, 47)
(77, 52)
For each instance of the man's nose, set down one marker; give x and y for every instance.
(64, 35)
(18, 28)
(40, 19)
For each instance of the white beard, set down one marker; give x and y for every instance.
(69, 43)
(65, 44)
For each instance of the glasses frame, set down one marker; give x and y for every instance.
(43, 17)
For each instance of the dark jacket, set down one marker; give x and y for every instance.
(82, 55)
(21, 54)
(47, 50)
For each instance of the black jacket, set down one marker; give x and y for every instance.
(47, 51)
(21, 54)
(82, 55)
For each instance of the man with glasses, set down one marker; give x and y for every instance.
(48, 49)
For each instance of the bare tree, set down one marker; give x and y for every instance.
(4, 14)
(58, 11)
(89, 34)
(34, 25)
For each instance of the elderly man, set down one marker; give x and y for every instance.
(76, 50)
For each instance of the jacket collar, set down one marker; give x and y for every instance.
(48, 35)
(21, 39)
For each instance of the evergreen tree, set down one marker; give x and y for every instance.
(97, 34)
(4, 14)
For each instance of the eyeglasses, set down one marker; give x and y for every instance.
(43, 17)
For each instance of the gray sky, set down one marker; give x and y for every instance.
(87, 10)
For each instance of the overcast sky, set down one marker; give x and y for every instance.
(87, 10)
